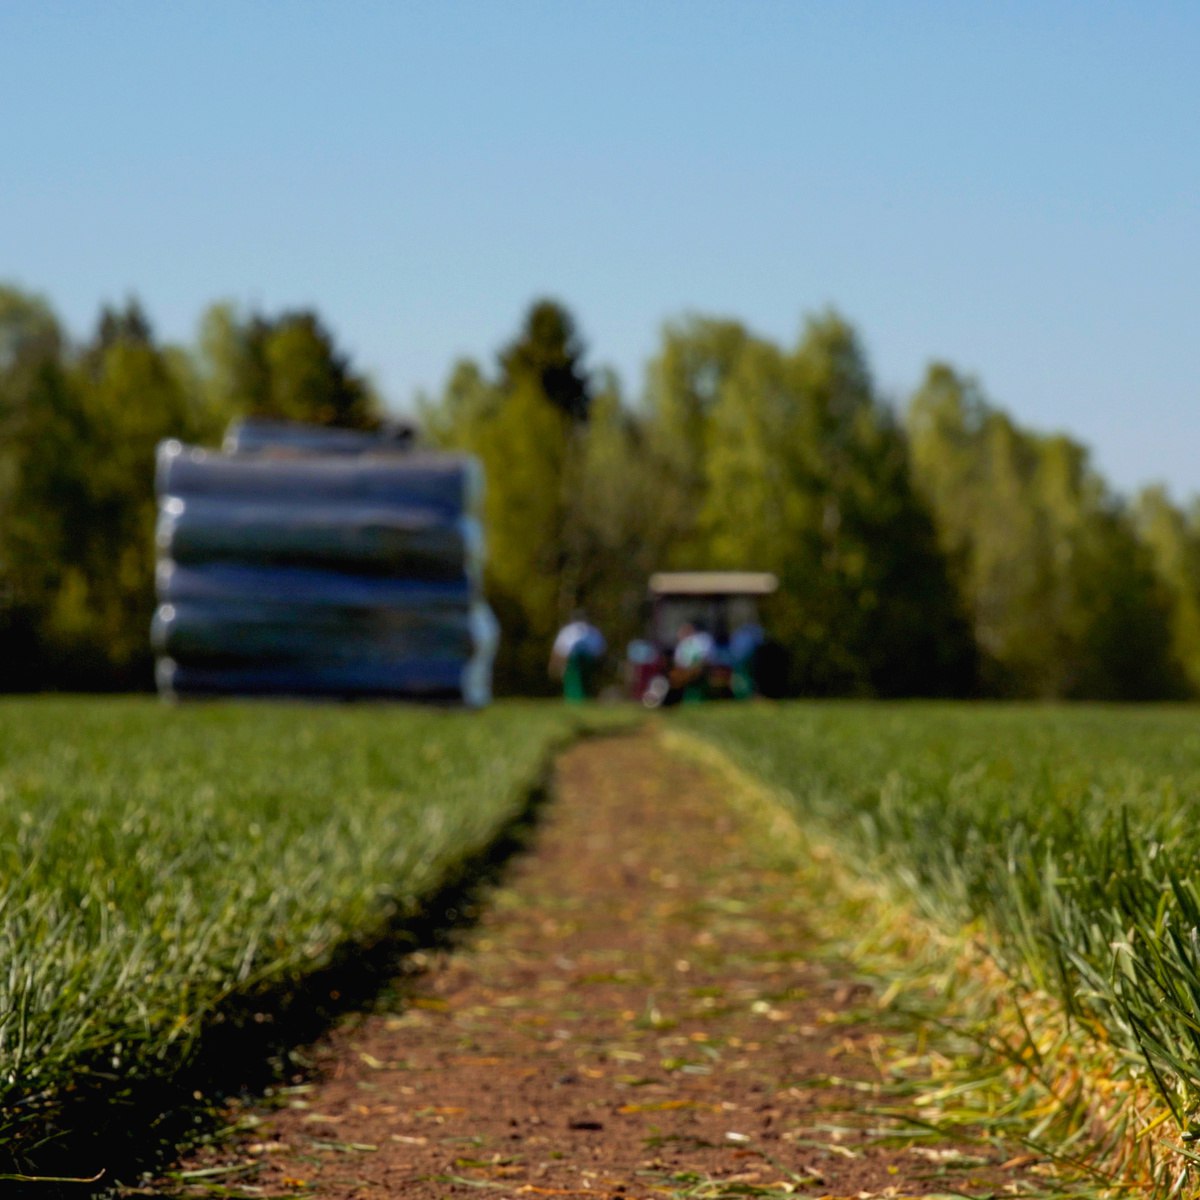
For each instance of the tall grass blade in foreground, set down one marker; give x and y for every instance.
(1071, 834)
(156, 862)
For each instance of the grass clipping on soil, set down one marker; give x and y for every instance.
(978, 1054)
(168, 872)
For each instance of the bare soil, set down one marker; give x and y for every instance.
(639, 1012)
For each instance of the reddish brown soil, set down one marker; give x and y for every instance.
(637, 1014)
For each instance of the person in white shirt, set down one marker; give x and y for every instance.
(576, 656)
(690, 660)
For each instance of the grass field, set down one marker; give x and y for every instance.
(1071, 832)
(156, 861)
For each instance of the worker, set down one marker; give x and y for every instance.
(576, 656)
(744, 647)
(690, 661)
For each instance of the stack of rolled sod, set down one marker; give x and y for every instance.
(318, 573)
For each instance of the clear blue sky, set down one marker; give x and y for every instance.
(1013, 187)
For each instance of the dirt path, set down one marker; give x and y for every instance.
(634, 1016)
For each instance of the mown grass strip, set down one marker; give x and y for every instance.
(160, 864)
(1029, 1068)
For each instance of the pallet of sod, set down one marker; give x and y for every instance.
(345, 568)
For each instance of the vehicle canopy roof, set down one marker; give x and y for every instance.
(720, 601)
(713, 583)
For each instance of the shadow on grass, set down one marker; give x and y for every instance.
(133, 1128)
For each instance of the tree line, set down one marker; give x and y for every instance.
(79, 424)
(933, 549)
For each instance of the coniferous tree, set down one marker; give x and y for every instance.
(286, 367)
(548, 354)
(528, 428)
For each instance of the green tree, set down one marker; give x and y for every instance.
(232, 376)
(128, 326)
(1172, 539)
(548, 354)
(528, 428)
(976, 470)
(134, 398)
(29, 330)
(1127, 651)
(467, 402)
(80, 429)
(286, 367)
(1062, 597)
(683, 385)
(42, 427)
(614, 537)
(807, 475)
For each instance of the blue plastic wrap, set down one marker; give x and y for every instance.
(246, 631)
(261, 434)
(321, 571)
(448, 483)
(417, 543)
(294, 585)
(419, 678)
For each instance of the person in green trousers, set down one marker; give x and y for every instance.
(575, 658)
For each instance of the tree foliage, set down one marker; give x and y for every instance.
(546, 356)
(806, 475)
(285, 366)
(951, 552)
(78, 430)
(1061, 591)
(1172, 539)
(523, 424)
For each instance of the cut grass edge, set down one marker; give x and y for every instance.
(978, 1054)
(256, 1038)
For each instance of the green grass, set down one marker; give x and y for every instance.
(156, 861)
(1071, 833)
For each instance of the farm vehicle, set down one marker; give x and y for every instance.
(704, 640)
